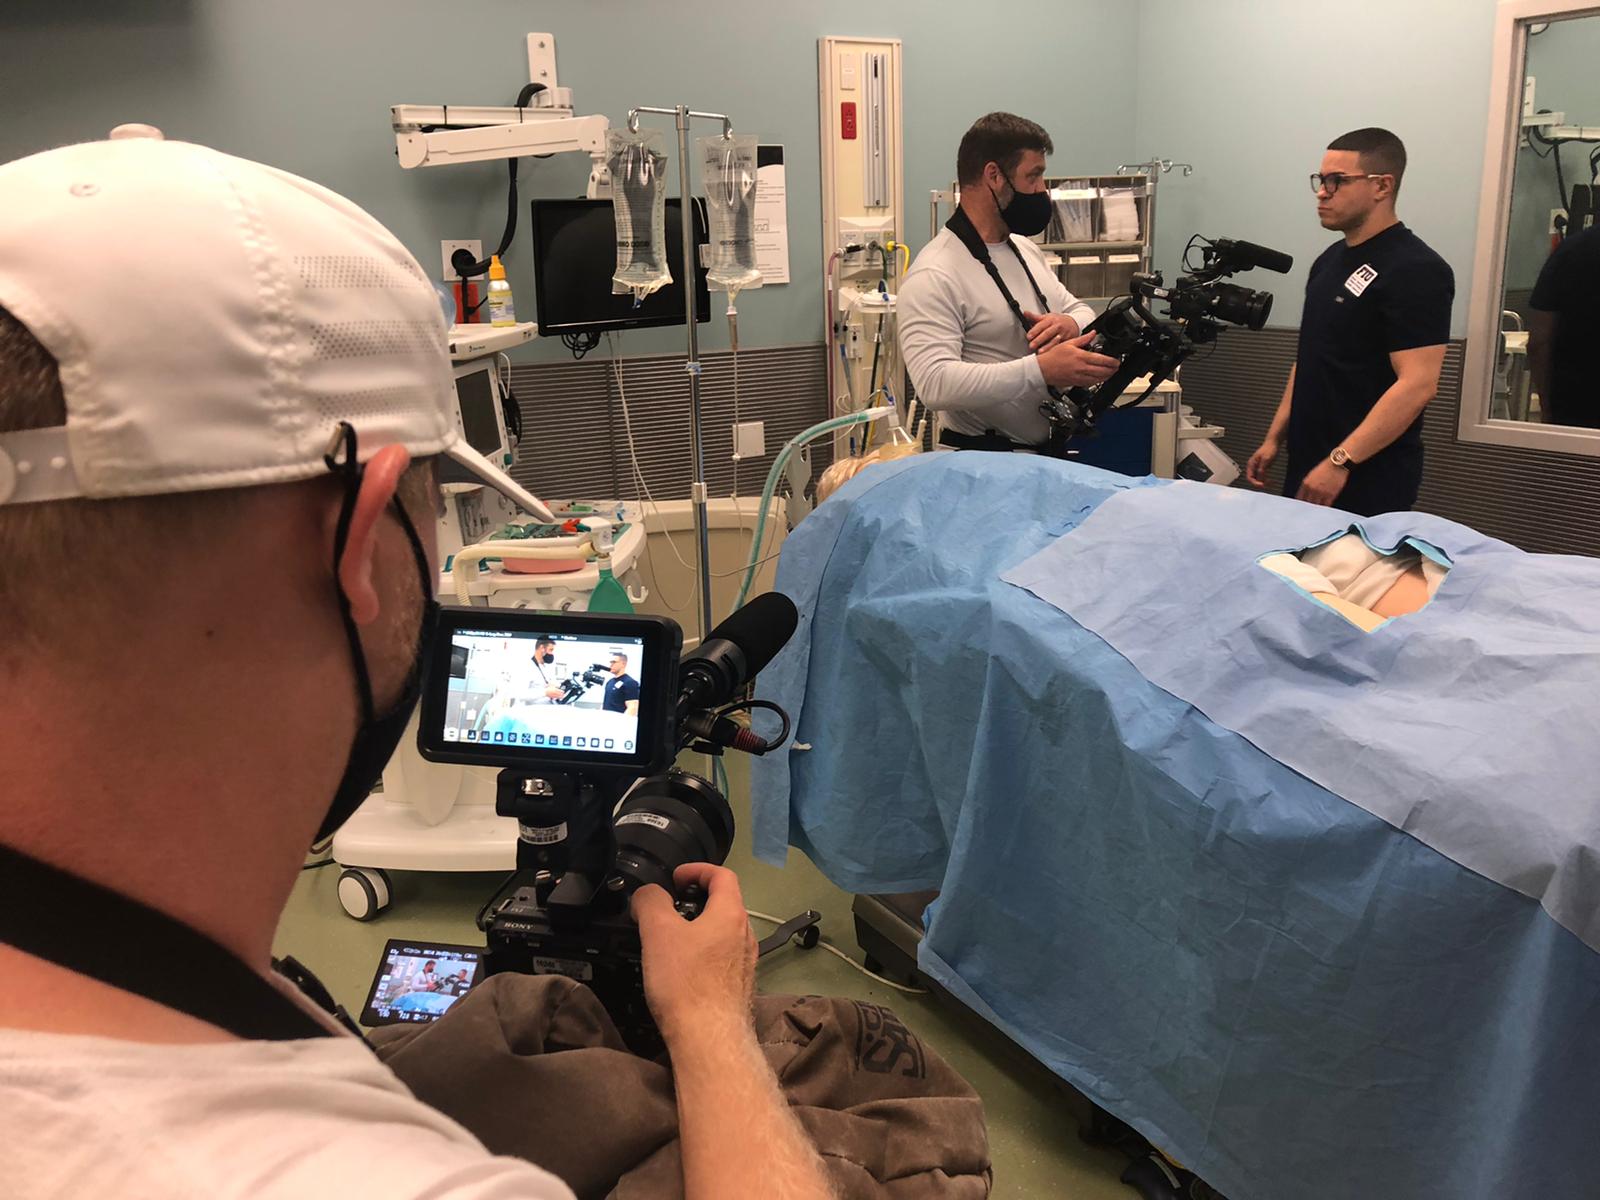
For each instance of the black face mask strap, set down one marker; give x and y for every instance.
(350, 470)
(416, 546)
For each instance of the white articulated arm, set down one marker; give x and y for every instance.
(486, 134)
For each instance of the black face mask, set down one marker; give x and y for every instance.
(548, 659)
(378, 735)
(1027, 214)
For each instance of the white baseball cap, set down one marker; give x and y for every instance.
(214, 320)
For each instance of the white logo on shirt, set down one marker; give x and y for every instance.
(1359, 279)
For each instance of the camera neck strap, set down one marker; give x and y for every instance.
(967, 233)
(91, 930)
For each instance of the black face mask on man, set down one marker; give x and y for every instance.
(1028, 214)
(378, 735)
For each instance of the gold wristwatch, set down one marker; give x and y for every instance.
(1341, 458)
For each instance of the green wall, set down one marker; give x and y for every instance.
(1251, 91)
(307, 87)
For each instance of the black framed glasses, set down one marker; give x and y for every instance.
(1333, 180)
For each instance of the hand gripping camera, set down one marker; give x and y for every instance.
(1199, 306)
(599, 810)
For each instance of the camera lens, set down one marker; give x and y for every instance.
(1240, 306)
(666, 821)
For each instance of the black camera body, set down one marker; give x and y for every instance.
(1199, 307)
(599, 812)
(555, 921)
(575, 685)
(603, 954)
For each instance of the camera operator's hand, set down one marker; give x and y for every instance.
(1072, 364)
(699, 977)
(1048, 330)
(700, 971)
(1256, 469)
(554, 693)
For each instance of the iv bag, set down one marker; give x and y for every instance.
(728, 167)
(639, 203)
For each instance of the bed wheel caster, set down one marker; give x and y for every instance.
(365, 891)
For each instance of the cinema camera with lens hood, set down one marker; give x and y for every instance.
(1199, 306)
(600, 810)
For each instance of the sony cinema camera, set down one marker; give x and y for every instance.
(1199, 306)
(599, 808)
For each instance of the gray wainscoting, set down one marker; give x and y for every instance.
(576, 443)
(575, 438)
(1531, 498)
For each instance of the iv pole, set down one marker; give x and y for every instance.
(697, 487)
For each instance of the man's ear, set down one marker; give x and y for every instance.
(378, 484)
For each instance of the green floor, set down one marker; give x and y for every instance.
(1032, 1122)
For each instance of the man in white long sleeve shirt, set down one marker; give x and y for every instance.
(984, 349)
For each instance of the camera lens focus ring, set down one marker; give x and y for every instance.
(666, 821)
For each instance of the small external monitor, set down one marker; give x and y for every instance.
(480, 417)
(575, 255)
(420, 981)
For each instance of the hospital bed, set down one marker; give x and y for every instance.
(1311, 908)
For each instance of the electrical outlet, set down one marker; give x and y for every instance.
(749, 439)
(446, 249)
(1554, 213)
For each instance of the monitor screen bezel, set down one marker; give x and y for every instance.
(540, 212)
(655, 741)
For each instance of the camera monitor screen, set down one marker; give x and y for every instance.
(517, 688)
(420, 981)
(568, 690)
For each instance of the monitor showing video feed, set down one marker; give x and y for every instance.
(565, 691)
(420, 981)
(530, 691)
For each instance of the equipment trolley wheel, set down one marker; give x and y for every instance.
(365, 891)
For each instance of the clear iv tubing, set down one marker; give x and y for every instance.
(794, 443)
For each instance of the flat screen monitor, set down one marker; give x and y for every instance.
(479, 418)
(575, 255)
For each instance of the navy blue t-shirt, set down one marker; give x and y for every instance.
(1363, 303)
(619, 690)
(1569, 286)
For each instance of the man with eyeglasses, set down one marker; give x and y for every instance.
(1372, 341)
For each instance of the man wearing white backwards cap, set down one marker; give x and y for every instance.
(222, 392)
